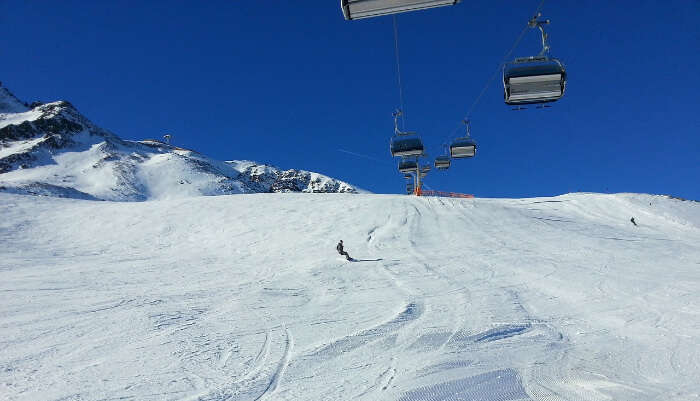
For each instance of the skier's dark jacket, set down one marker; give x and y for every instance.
(339, 248)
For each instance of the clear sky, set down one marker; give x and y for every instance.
(292, 84)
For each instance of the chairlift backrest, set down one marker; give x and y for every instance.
(356, 9)
(532, 66)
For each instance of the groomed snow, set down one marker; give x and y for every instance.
(243, 297)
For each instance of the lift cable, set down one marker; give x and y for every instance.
(364, 156)
(398, 72)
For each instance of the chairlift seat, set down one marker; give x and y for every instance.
(406, 145)
(356, 9)
(442, 162)
(408, 166)
(533, 80)
(462, 148)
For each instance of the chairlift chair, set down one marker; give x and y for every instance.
(465, 146)
(410, 187)
(404, 143)
(462, 148)
(531, 80)
(442, 162)
(536, 79)
(356, 9)
(407, 165)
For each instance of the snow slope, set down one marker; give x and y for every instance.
(242, 297)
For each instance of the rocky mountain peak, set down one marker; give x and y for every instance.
(52, 149)
(9, 102)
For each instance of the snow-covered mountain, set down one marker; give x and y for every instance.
(52, 149)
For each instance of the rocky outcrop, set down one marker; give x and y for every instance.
(262, 178)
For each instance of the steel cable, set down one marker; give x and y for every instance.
(398, 73)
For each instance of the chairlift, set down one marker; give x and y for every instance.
(462, 148)
(408, 165)
(443, 162)
(536, 79)
(410, 187)
(424, 170)
(465, 146)
(531, 80)
(356, 9)
(405, 143)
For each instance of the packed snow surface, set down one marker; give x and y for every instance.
(243, 297)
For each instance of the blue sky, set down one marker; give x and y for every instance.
(291, 83)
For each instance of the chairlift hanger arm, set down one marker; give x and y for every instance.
(535, 23)
(468, 123)
(396, 115)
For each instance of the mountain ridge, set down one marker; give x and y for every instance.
(52, 149)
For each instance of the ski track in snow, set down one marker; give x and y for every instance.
(242, 298)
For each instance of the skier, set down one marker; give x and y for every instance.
(340, 250)
(633, 222)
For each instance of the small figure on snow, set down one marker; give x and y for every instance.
(340, 250)
(633, 222)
